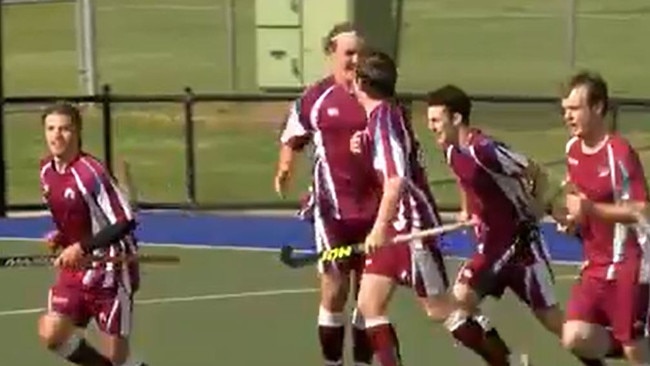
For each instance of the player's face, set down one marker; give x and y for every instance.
(344, 56)
(61, 135)
(578, 115)
(441, 124)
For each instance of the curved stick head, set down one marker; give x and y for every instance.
(286, 255)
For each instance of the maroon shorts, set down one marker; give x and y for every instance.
(332, 233)
(111, 309)
(417, 264)
(532, 283)
(524, 268)
(621, 304)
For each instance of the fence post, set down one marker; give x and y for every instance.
(3, 172)
(232, 43)
(107, 127)
(190, 161)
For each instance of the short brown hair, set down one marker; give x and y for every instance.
(597, 91)
(454, 99)
(329, 41)
(65, 109)
(377, 73)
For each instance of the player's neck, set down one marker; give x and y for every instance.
(595, 139)
(369, 104)
(464, 135)
(63, 161)
(342, 80)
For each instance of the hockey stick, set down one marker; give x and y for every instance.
(46, 260)
(289, 257)
(127, 184)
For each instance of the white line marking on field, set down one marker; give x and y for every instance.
(169, 300)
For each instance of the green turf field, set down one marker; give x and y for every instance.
(214, 309)
(154, 46)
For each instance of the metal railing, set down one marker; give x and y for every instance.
(106, 100)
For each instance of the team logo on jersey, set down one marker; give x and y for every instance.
(573, 161)
(69, 193)
(603, 171)
(332, 112)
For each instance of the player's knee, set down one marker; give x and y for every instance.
(334, 291)
(53, 332)
(370, 308)
(465, 297)
(582, 339)
(437, 308)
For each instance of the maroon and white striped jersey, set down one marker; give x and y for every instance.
(83, 199)
(328, 115)
(494, 181)
(395, 151)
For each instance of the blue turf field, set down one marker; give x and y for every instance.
(248, 231)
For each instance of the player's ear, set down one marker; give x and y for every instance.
(598, 107)
(456, 119)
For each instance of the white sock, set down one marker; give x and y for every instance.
(329, 319)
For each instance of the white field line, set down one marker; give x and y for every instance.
(169, 300)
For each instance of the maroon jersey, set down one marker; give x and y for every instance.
(396, 151)
(609, 173)
(328, 115)
(492, 177)
(83, 199)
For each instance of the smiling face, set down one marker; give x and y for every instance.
(580, 117)
(343, 55)
(443, 125)
(61, 135)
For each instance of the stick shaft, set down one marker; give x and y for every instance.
(48, 260)
(436, 231)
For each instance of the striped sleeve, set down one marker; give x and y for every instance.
(499, 158)
(633, 175)
(296, 128)
(104, 192)
(389, 142)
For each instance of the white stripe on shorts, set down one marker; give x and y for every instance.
(123, 305)
(424, 264)
(541, 273)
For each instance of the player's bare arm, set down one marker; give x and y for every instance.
(626, 213)
(293, 139)
(387, 210)
(284, 170)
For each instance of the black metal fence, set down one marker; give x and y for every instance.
(107, 100)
